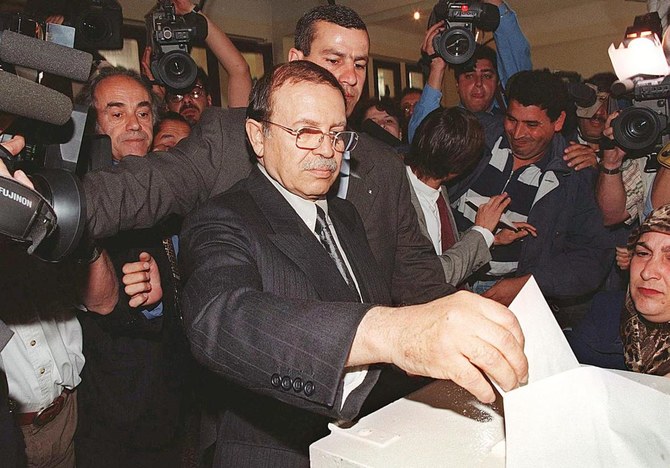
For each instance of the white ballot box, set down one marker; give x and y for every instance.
(566, 416)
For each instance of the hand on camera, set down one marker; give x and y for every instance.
(14, 146)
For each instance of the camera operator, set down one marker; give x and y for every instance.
(479, 78)
(239, 76)
(43, 358)
(622, 190)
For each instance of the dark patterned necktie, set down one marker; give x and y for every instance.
(328, 241)
(174, 270)
(446, 230)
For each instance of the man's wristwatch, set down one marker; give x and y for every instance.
(604, 170)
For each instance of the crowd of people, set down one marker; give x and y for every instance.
(260, 270)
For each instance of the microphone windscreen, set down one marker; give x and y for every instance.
(45, 56)
(22, 97)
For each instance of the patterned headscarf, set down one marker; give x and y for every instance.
(646, 344)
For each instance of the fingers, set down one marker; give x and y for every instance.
(15, 144)
(427, 45)
(496, 349)
(138, 300)
(580, 156)
(466, 375)
(526, 227)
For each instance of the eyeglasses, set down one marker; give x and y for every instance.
(310, 138)
(195, 93)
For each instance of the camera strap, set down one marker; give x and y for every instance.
(27, 216)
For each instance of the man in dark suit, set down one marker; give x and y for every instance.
(141, 191)
(280, 285)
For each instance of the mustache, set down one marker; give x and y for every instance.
(187, 105)
(321, 165)
(140, 134)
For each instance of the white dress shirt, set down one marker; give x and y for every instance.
(428, 200)
(43, 357)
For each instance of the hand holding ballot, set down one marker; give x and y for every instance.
(491, 212)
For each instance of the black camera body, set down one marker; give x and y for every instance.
(172, 37)
(98, 26)
(97, 23)
(456, 44)
(641, 126)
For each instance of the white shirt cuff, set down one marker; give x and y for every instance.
(488, 235)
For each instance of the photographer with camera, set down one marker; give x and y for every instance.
(479, 78)
(43, 358)
(623, 189)
(184, 101)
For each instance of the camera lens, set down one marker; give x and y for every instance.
(455, 45)
(177, 70)
(637, 128)
(95, 29)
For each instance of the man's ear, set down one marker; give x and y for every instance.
(558, 124)
(295, 54)
(256, 136)
(209, 100)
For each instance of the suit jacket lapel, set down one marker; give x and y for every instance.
(292, 237)
(362, 188)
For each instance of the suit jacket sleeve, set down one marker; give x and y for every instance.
(465, 257)
(247, 335)
(140, 191)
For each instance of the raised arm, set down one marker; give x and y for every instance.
(139, 192)
(512, 47)
(610, 190)
(239, 76)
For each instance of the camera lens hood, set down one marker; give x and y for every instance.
(638, 128)
(65, 194)
(27, 215)
(455, 45)
(175, 69)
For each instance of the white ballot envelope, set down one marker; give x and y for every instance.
(569, 415)
(566, 416)
(475, 201)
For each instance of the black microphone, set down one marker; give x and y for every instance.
(44, 56)
(22, 97)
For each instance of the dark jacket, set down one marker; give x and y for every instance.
(266, 308)
(573, 251)
(134, 384)
(138, 192)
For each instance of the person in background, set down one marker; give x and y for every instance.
(408, 99)
(479, 79)
(190, 103)
(133, 401)
(170, 130)
(230, 58)
(573, 251)
(42, 358)
(447, 145)
(383, 112)
(630, 330)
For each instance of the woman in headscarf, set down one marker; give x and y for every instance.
(632, 331)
